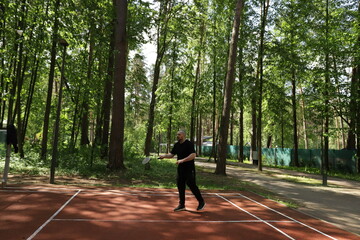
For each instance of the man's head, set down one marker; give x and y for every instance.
(181, 136)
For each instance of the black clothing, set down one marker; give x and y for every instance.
(183, 150)
(11, 136)
(186, 171)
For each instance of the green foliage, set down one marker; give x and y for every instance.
(295, 39)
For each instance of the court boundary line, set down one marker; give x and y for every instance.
(283, 233)
(167, 221)
(284, 215)
(109, 191)
(34, 191)
(7, 188)
(106, 192)
(53, 216)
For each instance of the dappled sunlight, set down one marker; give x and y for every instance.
(29, 211)
(132, 214)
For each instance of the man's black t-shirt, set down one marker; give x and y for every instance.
(183, 150)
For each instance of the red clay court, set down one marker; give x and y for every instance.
(61, 212)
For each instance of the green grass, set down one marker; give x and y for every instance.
(348, 176)
(246, 161)
(302, 180)
(162, 174)
(311, 170)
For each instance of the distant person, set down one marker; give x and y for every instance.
(11, 137)
(185, 152)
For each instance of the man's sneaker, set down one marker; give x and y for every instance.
(201, 206)
(179, 208)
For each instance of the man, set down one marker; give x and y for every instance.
(185, 152)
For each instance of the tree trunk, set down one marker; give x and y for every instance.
(106, 107)
(337, 140)
(282, 131)
(214, 143)
(265, 8)
(196, 83)
(74, 121)
(241, 100)
(232, 127)
(161, 48)
(30, 94)
(295, 135)
(33, 78)
(20, 71)
(326, 92)
(85, 116)
(199, 135)
(84, 137)
(304, 119)
(253, 125)
(352, 109)
(230, 77)
(338, 120)
(169, 129)
(268, 144)
(50, 82)
(241, 107)
(116, 152)
(18, 113)
(56, 133)
(151, 117)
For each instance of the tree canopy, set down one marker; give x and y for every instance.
(295, 72)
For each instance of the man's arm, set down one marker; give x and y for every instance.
(169, 155)
(188, 158)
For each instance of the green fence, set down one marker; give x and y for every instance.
(341, 160)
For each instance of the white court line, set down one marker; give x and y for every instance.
(166, 221)
(139, 192)
(38, 188)
(292, 219)
(33, 191)
(255, 217)
(107, 192)
(53, 216)
(130, 194)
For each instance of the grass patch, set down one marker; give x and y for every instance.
(206, 179)
(300, 180)
(306, 169)
(332, 173)
(246, 161)
(74, 170)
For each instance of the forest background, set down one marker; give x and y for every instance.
(77, 84)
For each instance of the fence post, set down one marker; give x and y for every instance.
(7, 164)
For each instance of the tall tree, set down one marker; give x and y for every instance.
(265, 8)
(196, 83)
(108, 86)
(230, 77)
(162, 43)
(50, 80)
(357, 86)
(326, 89)
(89, 74)
(241, 105)
(116, 151)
